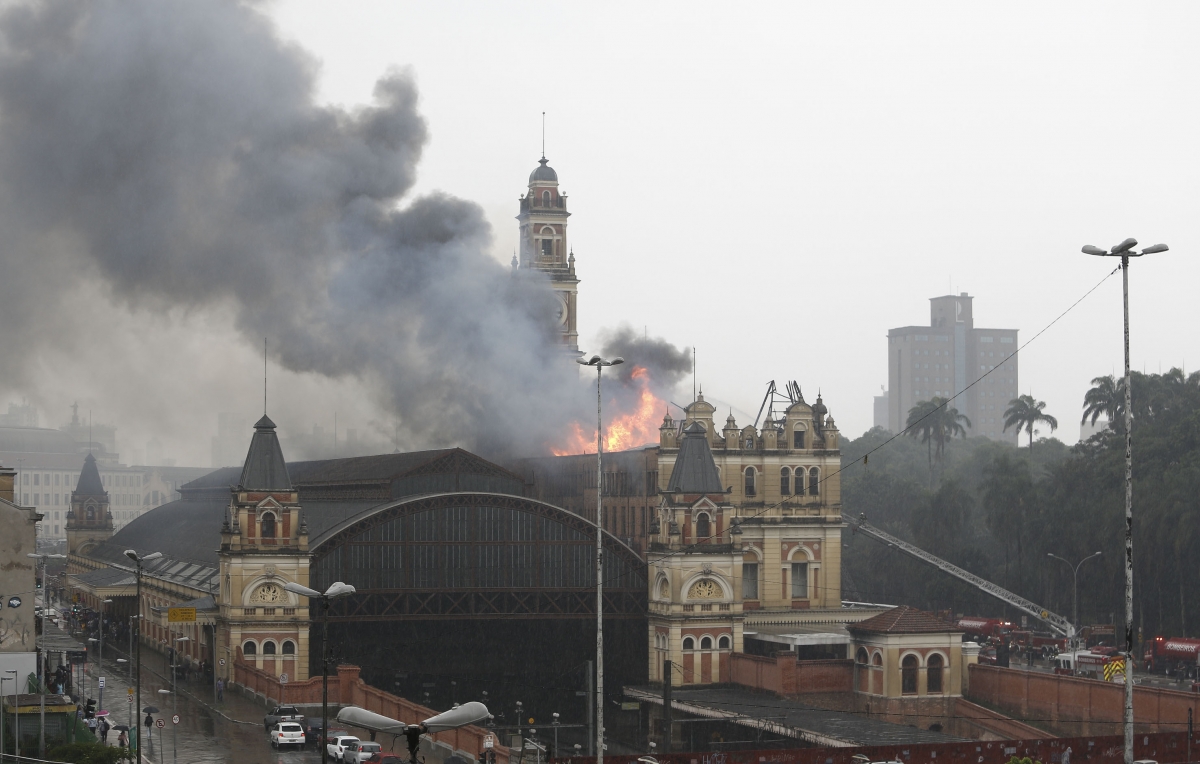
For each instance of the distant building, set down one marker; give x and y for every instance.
(19, 415)
(881, 411)
(543, 221)
(1088, 429)
(18, 524)
(945, 358)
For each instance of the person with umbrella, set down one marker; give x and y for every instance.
(149, 723)
(104, 726)
(122, 738)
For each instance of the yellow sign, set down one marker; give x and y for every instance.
(1116, 667)
(181, 615)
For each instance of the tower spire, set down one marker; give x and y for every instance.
(264, 376)
(543, 135)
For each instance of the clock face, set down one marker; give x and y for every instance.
(268, 593)
(562, 311)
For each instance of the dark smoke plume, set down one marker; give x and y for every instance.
(175, 154)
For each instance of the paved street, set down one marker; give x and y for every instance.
(208, 733)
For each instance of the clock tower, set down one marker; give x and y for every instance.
(544, 247)
(264, 545)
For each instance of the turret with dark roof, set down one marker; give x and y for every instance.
(265, 469)
(694, 471)
(89, 479)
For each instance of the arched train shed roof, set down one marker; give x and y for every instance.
(473, 555)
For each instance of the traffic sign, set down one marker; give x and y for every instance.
(221, 662)
(283, 679)
(159, 723)
(129, 691)
(488, 741)
(181, 615)
(175, 719)
(131, 698)
(101, 683)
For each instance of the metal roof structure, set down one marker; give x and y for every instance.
(89, 479)
(789, 718)
(543, 172)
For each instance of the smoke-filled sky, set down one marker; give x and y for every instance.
(776, 184)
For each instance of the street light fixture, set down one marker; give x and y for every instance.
(41, 666)
(1124, 250)
(135, 741)
(1075, 572)
(599, 363)
(335, 590)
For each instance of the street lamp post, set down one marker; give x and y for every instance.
(122, 660)
(136, 743)
(1075, 572)
(41, 665)
(335, 590)
(1124, 250)
(17, 711)
(174, 693)
(100, 657)
(599, 363)
(555, 724)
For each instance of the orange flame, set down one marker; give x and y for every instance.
(628, 430)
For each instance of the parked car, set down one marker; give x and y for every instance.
(385, 757)
(337, 746)
(282, 714)
(287, 733)
(312, 731)
(358, 753)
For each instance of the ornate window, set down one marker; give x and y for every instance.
(268, 525)
(269, 593)
(689, 643)
(749, 580)
(814, 481)
(249, 648)
(750, 481)
(664, 589)
(785, 481)
(908, 675)
(703, 528)
(545, 198)
(705, 589)
(861, 656)
(268, 647)
(723, 642)
(705, 643)
(799, 580)
(933, 674)
(798, 437)
(289, 647)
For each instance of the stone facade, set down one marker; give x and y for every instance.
(749, 521)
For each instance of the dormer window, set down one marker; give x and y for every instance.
(703, 528)
(798, 437)
(268, 525)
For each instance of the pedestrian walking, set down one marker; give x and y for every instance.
(220, 690)
(104, 728)
(122, 739)
(91, 724)
(1066, 757)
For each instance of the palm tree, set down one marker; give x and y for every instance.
(1024, 412)
(935, 421)
(1105, 398)
(920, 424)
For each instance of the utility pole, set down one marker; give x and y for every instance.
(668, 681)
(591, 713)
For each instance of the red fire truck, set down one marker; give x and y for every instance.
(1176, 653)
(986, 629)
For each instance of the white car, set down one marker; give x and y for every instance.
(357, 753)
(337, 746)
(287, 733)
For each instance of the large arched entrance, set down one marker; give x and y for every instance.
(461, 593)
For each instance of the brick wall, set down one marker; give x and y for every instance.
(1075, 706)
(786, 676)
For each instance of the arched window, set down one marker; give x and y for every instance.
(706, 643)
(689, 643)
(908, 675)
(798, 437)
(703, 529)
(877, 659)
(750, 481)
(545, 198)
(933, 674)
(814, 481)
(861, 656)
(91, 513)
(249, 648)
(723, 643)
(268, 647)
(289, 647)
(785, 481)
(268, 525)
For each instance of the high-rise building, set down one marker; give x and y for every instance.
(945, 358)
(543, 224)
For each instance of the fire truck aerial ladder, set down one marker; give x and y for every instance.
(1056, 622)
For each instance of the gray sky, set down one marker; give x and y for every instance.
(780, 183)
(776, 184)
